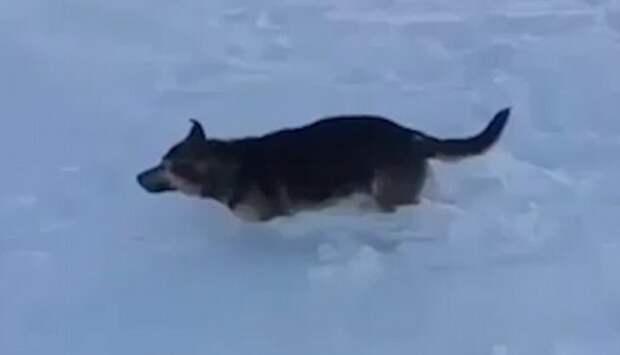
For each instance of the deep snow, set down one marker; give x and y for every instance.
(517, 252)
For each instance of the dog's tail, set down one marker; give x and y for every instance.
(451, 149)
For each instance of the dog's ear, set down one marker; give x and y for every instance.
(196, 133)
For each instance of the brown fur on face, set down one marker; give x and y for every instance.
(281, 173)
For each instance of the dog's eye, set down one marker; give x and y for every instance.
(186, 170)
(174, 153)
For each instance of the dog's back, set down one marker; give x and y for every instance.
(329, 157)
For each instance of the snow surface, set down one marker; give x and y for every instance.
(516, 252)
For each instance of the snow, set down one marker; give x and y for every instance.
(515, 252)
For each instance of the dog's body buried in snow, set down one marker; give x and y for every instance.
(280, 173)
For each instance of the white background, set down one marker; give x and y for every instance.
(517, 252)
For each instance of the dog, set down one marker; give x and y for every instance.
(286, 171)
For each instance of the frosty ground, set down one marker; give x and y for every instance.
(516, 252)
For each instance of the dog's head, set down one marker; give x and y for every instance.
(183, 168)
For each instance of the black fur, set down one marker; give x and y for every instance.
(473, 145)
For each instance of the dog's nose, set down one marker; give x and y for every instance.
(140, 179)
(153, 180)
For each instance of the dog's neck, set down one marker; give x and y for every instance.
(221, 182)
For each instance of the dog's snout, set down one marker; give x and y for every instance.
(141, 179)
(154, 180)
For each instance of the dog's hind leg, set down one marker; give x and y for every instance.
(398, 185)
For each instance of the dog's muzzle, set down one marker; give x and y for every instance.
(154, 180)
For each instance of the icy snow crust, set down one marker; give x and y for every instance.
(515, 252)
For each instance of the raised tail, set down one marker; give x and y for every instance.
(450, 149)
